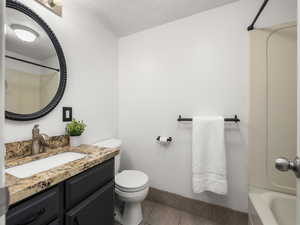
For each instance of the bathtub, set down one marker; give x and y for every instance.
(272, 208)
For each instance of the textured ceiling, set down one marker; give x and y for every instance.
(41, 49)
(125, 17)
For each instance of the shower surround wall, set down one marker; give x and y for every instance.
(194, 66)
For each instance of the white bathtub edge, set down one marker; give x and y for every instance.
(264, 212)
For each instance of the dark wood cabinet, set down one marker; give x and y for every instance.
(83, 185)
(95, 210)
(85, 199)
(55, 222)
(39, 210)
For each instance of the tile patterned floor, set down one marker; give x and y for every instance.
(157, 214)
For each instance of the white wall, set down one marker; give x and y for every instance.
(91, 54)
(2, 47)
(196, 65)
(298, 112)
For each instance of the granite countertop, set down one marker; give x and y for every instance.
(20, 189)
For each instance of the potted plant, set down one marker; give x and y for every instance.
(74, 130)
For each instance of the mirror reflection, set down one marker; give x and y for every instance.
(32, 65)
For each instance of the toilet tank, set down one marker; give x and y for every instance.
(112, 143)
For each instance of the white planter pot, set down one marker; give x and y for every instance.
(75, 141)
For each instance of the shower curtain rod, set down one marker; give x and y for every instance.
(251, 27)
(32, 63)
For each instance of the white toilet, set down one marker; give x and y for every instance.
(131, 186)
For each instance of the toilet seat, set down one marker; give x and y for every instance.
(131, 181)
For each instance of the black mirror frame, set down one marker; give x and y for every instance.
(62, 63)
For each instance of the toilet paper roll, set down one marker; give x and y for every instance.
(164, 139)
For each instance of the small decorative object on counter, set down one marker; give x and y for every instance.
(75, 130)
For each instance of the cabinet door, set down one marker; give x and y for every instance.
(56, 222)
(39, 210)
(98, 209)
(83, 185)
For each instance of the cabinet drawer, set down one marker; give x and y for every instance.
(83, 185)
(39, 210)
(98, 209)
(55, 222)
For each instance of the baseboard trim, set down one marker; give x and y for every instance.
(209, 211)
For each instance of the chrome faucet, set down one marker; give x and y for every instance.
(38, 141)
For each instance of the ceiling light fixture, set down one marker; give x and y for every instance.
(52, 3)
(24, 33)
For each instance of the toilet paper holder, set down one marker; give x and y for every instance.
(162, 139)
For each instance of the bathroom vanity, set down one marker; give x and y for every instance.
(80, 192)
(48, 185)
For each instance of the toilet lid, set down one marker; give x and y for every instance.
(131, 180)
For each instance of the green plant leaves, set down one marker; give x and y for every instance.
(75, 128)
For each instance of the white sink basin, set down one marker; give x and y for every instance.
(37, 166)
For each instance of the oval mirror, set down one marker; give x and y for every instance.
(35, 65)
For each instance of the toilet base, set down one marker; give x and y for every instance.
(132, 210)
(118, 215)
(132, 214)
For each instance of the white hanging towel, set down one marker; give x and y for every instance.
(209, 156)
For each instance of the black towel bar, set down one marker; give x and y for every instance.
(235, 119)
